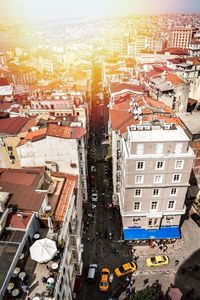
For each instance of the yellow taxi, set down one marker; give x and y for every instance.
(159, 260)
(104, 282)
(125, 269)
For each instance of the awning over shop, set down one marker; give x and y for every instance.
(144, 234)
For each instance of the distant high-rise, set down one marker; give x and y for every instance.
(124, 44)
(181, 36)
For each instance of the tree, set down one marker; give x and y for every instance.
(149, 293)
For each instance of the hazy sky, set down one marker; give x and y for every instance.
(75, 8)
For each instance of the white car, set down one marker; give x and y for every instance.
(94, 197)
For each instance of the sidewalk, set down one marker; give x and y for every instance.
(148, 251)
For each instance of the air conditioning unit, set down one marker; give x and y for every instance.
(140, 127)
(133, 127)
(166, 126)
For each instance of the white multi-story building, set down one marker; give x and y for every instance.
(152, 162)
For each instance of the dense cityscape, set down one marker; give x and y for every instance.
(100, 157)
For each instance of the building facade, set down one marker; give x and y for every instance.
(181, 37)
(157, 162)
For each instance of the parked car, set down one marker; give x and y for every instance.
(92, 273)
(196, 218)
(94, 196)
(104, 282)
(125, 269)
(158, 260)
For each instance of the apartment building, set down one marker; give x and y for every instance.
(59, 148)
(12, 131)
(46, 204)
(189, 70)
(167, 87)
(58, 104)
(181, 36)
(152, 162)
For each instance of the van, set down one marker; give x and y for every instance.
(92, 272)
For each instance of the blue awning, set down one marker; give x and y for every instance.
(144, 234)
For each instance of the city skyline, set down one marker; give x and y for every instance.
(66, 8)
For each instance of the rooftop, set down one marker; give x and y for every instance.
(12, 125)
(22, 184)
(158, 135)
(122, 87)
(124, 114)
(191, 121)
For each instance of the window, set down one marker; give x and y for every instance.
(160, 165)
(81, 156)
(178, 164)
(138, 193)
(150, 222)
(136, 219)
(136, 205)
(139, 179)
(171, 204)
(169, 219)
(140, 165)
(173, 191)
(158, 178)
(154, 205)
(176, 177)
(178, 148)
(159, 148)
(10, 148)
(139, 148)
(156, 192)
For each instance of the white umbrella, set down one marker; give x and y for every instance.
(43, 250)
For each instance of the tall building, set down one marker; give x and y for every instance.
(152, 162)
(124, 44)
(181, 37)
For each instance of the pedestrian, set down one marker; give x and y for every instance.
(25, 288)
(106, 234)
(164, 248)
(176, 262)
(88, 239)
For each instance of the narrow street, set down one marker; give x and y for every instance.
(98, 247)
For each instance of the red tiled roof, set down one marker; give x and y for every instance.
(12, 125)
(59, 131)
(21, 184)
(126, 86)
(34, 136)
(63, 203)
(174, 79)
(78, 132)
(121, 117)
(18, 221)
(194, 60)
(177, 60)
(177, 51)
(5, 106)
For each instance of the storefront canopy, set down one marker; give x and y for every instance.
(144, 234)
